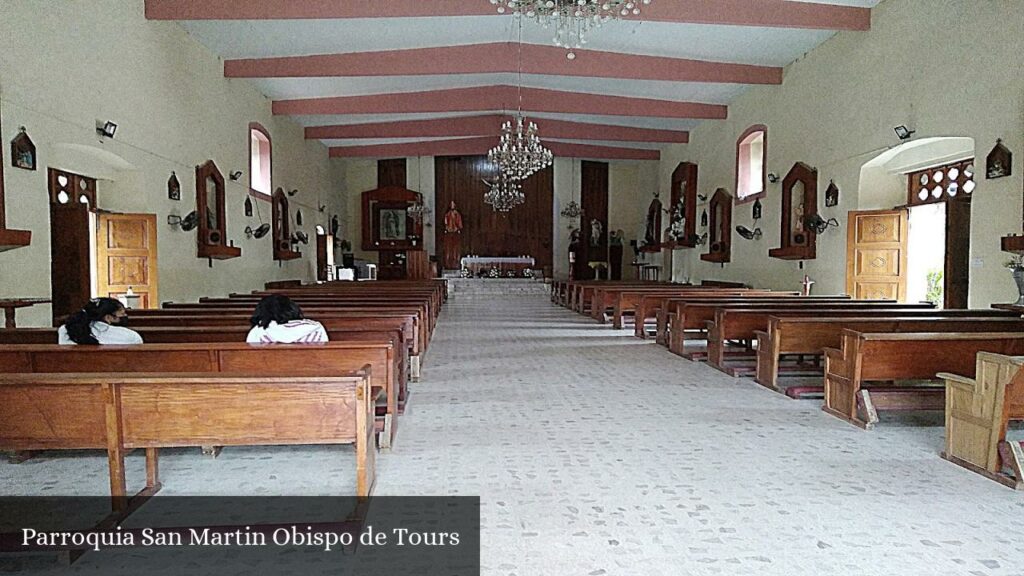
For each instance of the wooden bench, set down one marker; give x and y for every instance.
(119, 412)
(625, 301)
(650, 303)
(269, 359)
(691, 316)
(978, 412)
(198, 334)
(580, 293)
(873, 357)
(670, 315)
(808, 336)
(413, 333)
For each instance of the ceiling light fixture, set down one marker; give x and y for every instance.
(504, 194)
(572, 20)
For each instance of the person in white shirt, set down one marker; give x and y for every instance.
(98, 323)
(279, 320)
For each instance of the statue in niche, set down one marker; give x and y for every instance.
(596, 230)
(653, 232)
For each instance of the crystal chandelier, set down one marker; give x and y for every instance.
(519, 153)
(571, 19)
(504, 194)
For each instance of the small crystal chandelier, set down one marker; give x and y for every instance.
(519, 153)
(504, 194)
(571, 19)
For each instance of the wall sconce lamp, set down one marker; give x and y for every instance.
(818, 224)
(903, 133)
(293, 192)
(234, 176)
(773, 177)
(107, 129)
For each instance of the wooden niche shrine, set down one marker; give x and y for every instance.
(9, 239)
(395, 233)
(684, 204)
(212, 238)
(799, 202)
(720, 228)
(282, 227)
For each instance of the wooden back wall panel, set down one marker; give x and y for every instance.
(526, 229)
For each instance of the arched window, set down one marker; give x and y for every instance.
(259, 159)
(751, 168)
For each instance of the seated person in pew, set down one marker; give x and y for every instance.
(279, 320)
(99, 322)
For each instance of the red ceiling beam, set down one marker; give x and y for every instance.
(493, 58)
(475, 146)
(501, 98)
(760, 13)
(491, 126)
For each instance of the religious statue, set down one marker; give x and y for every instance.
(652, 234)
(450, 240)
(615, 240)
(574, 248)
(596, 228)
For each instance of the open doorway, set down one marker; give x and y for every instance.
(95, 253)
(939, 245)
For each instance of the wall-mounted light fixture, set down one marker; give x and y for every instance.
(293, 192)
(903, 133)
(258, 232)
(773, 177)
(106, 128)
(234, 176)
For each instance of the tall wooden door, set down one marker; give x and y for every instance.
(956, 277)
(876, 254)
(126, 256)
(72, 198)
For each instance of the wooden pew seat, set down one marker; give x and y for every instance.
(866, 357)
(978, 413)
(118, 412)
(218, 357)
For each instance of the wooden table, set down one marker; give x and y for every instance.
(10, 305)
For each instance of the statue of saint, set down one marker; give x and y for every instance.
(451, 257)
(596, 228)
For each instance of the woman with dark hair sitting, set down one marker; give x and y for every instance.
(97, 323)
(279, 320)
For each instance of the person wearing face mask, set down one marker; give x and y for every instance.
(97, 323)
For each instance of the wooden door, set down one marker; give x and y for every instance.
(876, 254)
(72, 197)
(126, 256)
(956, 277)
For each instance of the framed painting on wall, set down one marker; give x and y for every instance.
(392, 223)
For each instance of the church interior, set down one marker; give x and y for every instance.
(648, 286)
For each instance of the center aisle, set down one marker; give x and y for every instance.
(596, 453)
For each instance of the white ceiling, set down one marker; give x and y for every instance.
(237, 39)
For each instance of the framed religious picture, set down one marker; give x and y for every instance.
(392, 224)
(23, 151)
(999, 162)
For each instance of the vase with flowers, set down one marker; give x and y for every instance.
(1016, 266)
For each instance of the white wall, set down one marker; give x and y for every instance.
(631, 185)
(948, 68)
(64, 64)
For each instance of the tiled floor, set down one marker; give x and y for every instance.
(596, 453)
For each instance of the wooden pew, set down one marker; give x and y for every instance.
(873, 357)
(808, 336)
(269, 359)
(580, 292)
(197, 334)
(620, 301)
(978, 411)
(413, 332)
(119, 412)
(740, 322)
(691, 315)
(649, 303)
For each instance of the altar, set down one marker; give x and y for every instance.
(504, 264)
